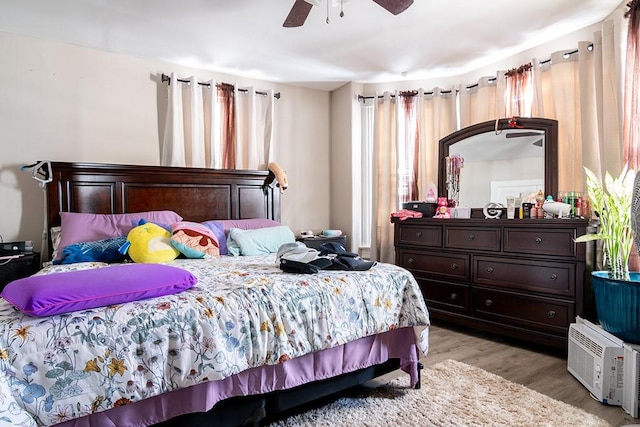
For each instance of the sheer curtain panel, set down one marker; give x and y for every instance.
(482, 101)
(579, 89)
(255, 128)
(385, 176)
(436, 118)
(187, 137)
(217, 126)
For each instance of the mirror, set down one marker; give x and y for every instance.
(503, 158)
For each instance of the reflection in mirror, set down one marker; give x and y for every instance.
(509, 157)
(512, 161)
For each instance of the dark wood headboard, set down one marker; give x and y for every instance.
(195, 194)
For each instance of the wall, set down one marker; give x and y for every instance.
(66, 103)
(345, 162)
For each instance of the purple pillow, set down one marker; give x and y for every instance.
(87, 227)
(247, 224)
(49, 294)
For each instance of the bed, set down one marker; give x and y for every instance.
(244, 344)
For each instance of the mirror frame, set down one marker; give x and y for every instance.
(548, 126)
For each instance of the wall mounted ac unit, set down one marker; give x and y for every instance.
(596, 359)
(631, 394)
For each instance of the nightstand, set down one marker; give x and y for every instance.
(315, 241)
(24, 265)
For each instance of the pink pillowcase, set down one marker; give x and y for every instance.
(86, 227)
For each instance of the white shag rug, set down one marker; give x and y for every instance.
(453, 394)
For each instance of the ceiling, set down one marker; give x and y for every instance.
(431, 39)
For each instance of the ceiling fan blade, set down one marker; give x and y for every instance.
(521, 134)
(298, 14)
(395, 6)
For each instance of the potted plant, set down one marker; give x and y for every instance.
(616, 290)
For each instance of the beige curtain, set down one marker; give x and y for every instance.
(187, 138)
(217, 125)
(436, 118)
(254, 124)
(385, 183)
(482, 101)
(580, 90)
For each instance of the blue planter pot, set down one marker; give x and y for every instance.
(618, 305)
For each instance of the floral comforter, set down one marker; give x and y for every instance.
(244, 312)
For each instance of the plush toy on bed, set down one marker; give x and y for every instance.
(194, 240)
(281, 176)
(148, 242)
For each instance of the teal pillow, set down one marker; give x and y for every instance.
(259, 241)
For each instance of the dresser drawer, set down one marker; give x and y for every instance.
(517, 309)
(446, 296)
(540, 242)
(478, 238)
(420, 235)
(436, 264)
(555, 278)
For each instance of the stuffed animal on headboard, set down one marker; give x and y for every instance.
(150, 243)
(281, 176)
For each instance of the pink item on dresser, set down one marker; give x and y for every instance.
(406, 213)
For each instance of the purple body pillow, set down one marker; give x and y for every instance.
(57, 293)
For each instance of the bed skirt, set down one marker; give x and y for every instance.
(321, 365)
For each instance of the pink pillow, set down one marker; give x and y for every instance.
(49, 294)
(87, 227)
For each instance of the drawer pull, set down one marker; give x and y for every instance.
(419, 234)
(471, 237)
(551, 314)
(489, 269)
(538, 240)
(410, 261)
(454, 296)
(488, 302)
(454, 266)
(553, 277)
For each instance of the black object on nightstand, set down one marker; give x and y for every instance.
(315, 241)
(23, 265)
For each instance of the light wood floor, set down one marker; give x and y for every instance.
(539, 369)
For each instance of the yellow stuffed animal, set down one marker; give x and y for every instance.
(149, 243)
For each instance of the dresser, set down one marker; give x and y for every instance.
(519, 278)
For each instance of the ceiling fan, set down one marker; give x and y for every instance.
(521, 134)
(301, 8)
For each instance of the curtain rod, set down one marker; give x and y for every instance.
(567, 54)
(362, 97)
(492, 79)
(166, 78)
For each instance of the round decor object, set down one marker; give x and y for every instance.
(332, 233)
(492, 210)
